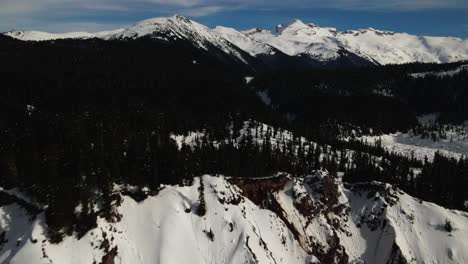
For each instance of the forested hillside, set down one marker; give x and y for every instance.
(84, 123)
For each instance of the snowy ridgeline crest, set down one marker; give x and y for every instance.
(295, 39)
(283, 219)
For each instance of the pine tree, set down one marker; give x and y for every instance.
(201, 210)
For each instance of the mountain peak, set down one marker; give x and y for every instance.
(175, 26)
(296, 22)
(181, 18)
(164, 20)
(293, 24)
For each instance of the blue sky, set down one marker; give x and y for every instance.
(421, 17)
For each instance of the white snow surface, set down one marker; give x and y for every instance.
(455, 145)
(377, 228)
(294, 39)
(255, 129)
(298, 38)
(178, 27)
(250, 45)
(397, 48)
(441, 74)
(41, 36)
(382, 47)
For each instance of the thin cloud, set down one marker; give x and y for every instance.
(15, 13)
(183, 3)
(31, 6)
(399, 5)
(203, 11)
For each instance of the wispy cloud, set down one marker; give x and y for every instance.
(399, 5)
(31, 6)
(15, 13)
(203, 11)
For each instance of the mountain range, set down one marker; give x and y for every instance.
(293, 41)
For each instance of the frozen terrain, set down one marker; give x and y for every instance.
(407, 144)
(270, 220)
(298, 38)
(453, 144)
(382, 47)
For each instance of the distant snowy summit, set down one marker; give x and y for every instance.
(42, 36)
(381, 47)
(294, 39)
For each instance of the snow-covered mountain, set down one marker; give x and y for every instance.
(316, 219)
(297, 38)
(165, 28)
(395, 48)
(294, 39)
(178, 27)
(382, 47)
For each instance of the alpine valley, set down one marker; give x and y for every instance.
(171, 142)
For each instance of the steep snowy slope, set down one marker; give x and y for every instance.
(395, 48)
(253, 47)
(271, 220)
(163, 229)
(178, 27)
(298, 38)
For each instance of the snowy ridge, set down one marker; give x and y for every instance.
(178, 27)
(315, 219)
(294, 39)
(298, 38)
(382, 47)
(396, 48)
(41, 36)
(251, 46)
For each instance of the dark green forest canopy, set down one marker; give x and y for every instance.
(77, 116)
